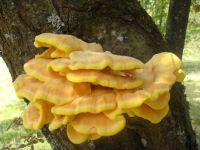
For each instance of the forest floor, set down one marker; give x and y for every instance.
(13, 135)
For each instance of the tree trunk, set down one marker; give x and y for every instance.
(177, 24)
(122, 27)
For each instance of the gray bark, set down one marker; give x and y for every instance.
(122, 27)
(177, 24)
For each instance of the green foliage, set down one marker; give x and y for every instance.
(158, 10)
(192, 43)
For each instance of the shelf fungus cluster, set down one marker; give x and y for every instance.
(78, 85)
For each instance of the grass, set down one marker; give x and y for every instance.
(12, 132)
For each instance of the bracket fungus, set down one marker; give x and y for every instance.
(26, 86)
(75, 84)
(64, 43)
(61, 91)
(37, 114)
(37, 68)
(99, 100)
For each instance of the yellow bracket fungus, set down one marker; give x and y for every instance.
(146, 112)
(88, 123)
(131, 99)
(58, 121)
(61, 91)
(46, 54)
(100, 100)
(65, 43)
(77, 85)
(104, 78)
(160, 102)
(37, 114)
(180, 75)
(52, 52)
(26, 86)
(76, 137)
(37, 68)
(96, 61)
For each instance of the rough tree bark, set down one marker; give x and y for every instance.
(177, 24)
(121, 26)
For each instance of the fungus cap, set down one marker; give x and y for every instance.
(26, 86)
(101, 99)
(58, 121)
(160, 103)
(160, 70)
(76, 137)
(37, 68)
(88, 123)
(65, 43)
(46, 54)
(37, 114)
(59, 54)
(104, 78)
(97, 61)
(114, 113)
(130, 98)
(61, 91)
(180, 75)
(154, 116)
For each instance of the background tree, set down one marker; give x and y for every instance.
(176, 25)
(121, 26)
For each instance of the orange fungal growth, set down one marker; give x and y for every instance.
(159, 103)
(37, 68)
(61, 91)
(96, 61)
(46, 54)
(146, 112)
(100, 100)
(59, 65)
(51, 52)
(77, 85)
(160, 69)
(58, 121)
(37, 114)
(104, 78)
(99, 61)
(88, 123)
(59, 54)
(180, 75)
(76, 137)
(26, 86)
(131, 99)
(65, 43)
(114, 113)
